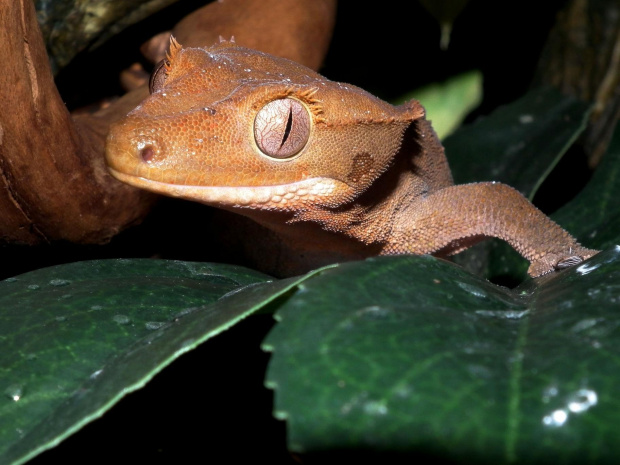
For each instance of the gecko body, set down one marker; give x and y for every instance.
(332, 172)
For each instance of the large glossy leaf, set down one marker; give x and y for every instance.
(593, 217)
(76, 338)
(518, 144)
(413, 354)
(594, 214)
(448, 103)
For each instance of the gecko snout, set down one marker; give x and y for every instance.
(127, 151)
(146, 151)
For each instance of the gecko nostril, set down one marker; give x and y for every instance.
(147, 153)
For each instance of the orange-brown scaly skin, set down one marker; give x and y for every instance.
(370, 179)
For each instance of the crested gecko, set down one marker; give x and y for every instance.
(332, 172)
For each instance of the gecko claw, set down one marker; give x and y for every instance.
(557, 262)
(567, 262)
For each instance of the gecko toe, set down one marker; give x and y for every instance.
(567, 262)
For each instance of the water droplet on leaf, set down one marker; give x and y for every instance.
(187, 343)
(507, 314)
(582, 400)
(375, 407)
(152, 325)
(585, 269)
(374, 312)
(549, 392)
(121, 319)
(14, 392)
(473, 290)
(556, 418)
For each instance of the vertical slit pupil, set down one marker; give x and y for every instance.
(289, 125)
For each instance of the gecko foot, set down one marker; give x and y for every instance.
(555, 262)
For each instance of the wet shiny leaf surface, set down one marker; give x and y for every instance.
(76, 338)
(416, 355)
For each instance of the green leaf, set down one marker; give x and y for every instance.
(518, 144)
(593, 217)
(74, 339)
(415, 355)
(595, 213)
(447, 104)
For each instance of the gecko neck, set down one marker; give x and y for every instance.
(365, 227)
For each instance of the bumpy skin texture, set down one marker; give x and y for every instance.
(335, 173)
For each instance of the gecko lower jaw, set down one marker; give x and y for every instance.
(279, 197)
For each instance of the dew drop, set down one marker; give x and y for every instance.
(14, 392)
(10, 280)
(373, 312)
(585, 269)
(96, 307)
(473, 290)
(526, 119)
(549, 393)
(121, 319)
(95, 374)
(582, 400)
(556, 418)
(152, 325)
(375, 407)
(187, 343)
(33, 287)
(507, 314)
(59, 282)
(61, 318)
(584, 324)
(239, 289)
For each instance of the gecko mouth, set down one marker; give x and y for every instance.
(280, 197)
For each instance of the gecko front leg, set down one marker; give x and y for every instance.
(457, 217)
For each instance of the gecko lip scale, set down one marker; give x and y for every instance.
(269, 197)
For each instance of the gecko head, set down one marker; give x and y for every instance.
(237, 128)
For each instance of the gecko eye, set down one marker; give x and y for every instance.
(282, 128)
(158, 77)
